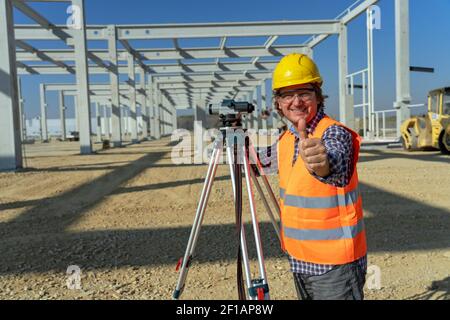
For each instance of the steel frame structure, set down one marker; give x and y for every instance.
(229, 71)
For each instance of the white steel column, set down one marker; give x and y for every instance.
(23, 125)
(163, 113)
(346, 112)
(273, 114)
(44, 130)
(151, 104)
(62, 115)
(200, 112)
(370, 72)
(116, 124)
(75, 110)
(157, 110)
(99, 121)
(264, 104)
(402, 62)
(245, 121)
(124, 117)
(254, 101)
(275, 119)
(249, 98)
(143, 103)
(174, 119)
(84, 110)
(199, 127)
(10, 144)
(132, 98)
(106, 121)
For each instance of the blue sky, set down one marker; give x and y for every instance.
(429, 41)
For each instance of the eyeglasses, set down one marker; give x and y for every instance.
(304, 95)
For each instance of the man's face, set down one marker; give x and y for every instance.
(297, 102)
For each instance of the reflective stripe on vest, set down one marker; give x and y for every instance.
(347, 232)
(282, 193)
(319, 202)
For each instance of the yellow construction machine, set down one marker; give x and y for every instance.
(431, 131)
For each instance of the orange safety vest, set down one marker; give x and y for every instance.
(321, 223)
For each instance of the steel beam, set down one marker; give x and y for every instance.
(62, 33)
(165, 77)
(44, 129)
(75, 109)
(132, 97)
(10, 142)
(255, 114)
(136, 55)
(151, 106)
(143, 103)
(264, 103)
(161, 70)
(192, 30)
(345, 19)
(97, 90)
(116, 123)
(23, 126)
(227, 29)
(168, 53)
(156, 110)
(62, 114)
(185, 75)
(346, 112)
(84, 110)
(403, 95)
(174, 119)
(42, 56)
(99, 121)
(57, 32)
(106, 121)
(354, 13)
(215, 86)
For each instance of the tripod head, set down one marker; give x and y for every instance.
(230, 112)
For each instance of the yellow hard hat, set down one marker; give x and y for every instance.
(295, 68)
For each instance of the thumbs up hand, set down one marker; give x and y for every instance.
(301, 128)
(313, 152)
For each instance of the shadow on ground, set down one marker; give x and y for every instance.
(38, 240)
(378, 154)
(438, 290)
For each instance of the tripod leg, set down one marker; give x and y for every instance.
(275, 224)
(261, 283)
(243, 242)
(266, 204)
(271, 195)
(264, 179)
(209, 179)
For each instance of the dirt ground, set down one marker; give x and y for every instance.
(123, 216)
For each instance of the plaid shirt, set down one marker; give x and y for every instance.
(339, 145)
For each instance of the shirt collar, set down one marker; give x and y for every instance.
(311, 125)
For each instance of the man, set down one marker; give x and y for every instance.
(321, 210)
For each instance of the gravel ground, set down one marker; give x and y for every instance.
(123, 216)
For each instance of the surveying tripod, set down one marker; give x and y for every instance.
(238, 155)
